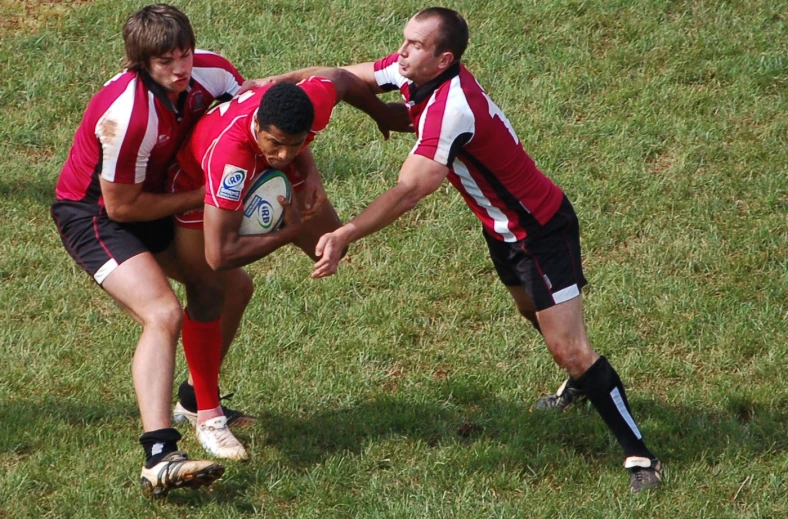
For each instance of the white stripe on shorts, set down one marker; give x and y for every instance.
(105, 270)
(565, 294)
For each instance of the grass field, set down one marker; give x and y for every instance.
(402, 386)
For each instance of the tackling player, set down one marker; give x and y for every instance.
(267, 126)
(530, 227)
(114, 217)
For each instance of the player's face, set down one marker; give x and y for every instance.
(172, 70)
(278, 147)
(417, 59)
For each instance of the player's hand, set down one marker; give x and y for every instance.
(397, 120)
(314, 196)
(257, 83)
(329, 248)
(199, 198)
(292, 216)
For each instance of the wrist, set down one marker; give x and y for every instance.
(348, 233)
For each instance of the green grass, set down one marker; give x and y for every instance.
(402, 386)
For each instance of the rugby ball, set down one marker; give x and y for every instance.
(262, 211)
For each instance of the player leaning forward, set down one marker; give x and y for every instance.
(529, 225)
(115, 219)
(267, 126)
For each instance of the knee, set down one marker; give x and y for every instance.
(205, 301)
(571, 353)
(166, 316)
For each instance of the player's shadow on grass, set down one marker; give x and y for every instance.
(36, 191)
(495, 434)
(501, 435)
(675, 433)
(31, 425)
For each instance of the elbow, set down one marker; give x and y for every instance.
(216, 259)
(119, 214)
(412, 196)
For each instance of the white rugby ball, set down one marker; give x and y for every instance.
(262, 211)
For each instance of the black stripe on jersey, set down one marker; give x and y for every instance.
(93, 192)
(526, 219)
(456, 146)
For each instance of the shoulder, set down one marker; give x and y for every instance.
(388, 61)
(216, 74)
(123, 102)
(323, 95)
(208, 59)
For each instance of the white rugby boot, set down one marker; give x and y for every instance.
(217, 439)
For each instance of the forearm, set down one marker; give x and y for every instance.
(237, 251)
(385, 209)
(294, 76)
(152, 206)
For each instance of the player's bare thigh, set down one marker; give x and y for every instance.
(524, 303)
(141, 287)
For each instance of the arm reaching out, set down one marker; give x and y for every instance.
(356, 86)
(418, 177)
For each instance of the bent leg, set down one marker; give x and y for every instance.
(140, 286)
(202, 340)
(565, 335)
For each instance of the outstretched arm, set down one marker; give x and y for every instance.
(355, 91)
(356, 86)
(418, 177)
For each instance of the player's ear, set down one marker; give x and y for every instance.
(447, 58)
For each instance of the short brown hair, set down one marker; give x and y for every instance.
(154, 31)
(452, 33)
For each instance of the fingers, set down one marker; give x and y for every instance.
(327, 264)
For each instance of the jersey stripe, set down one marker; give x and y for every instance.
(497, 219)
(111, 130)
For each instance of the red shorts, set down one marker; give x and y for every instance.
(178, 182)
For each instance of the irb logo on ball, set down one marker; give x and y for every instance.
(262, 210)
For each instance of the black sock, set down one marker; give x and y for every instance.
(573, 384)
(187, 397)
(606, 392)
(158, 444)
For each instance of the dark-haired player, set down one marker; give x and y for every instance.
(268, 126)
(114, 217)
(529, 225)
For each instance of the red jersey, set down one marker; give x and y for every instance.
(131, 131)
(223, 153)
(458, 125)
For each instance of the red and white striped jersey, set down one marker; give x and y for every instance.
(459, 126)
(223, 154)
(131, 131)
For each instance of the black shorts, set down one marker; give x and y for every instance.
(99, 244)
(546, 263)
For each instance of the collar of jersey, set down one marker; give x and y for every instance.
(158, 92)
(419, 94)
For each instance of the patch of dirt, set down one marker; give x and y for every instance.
(31, 15)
